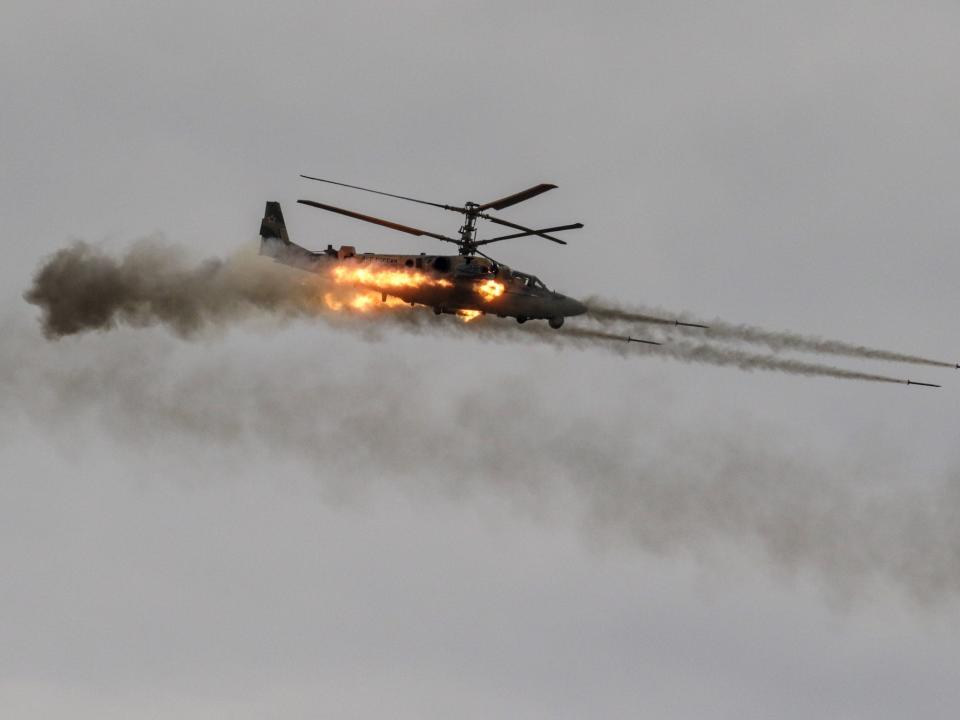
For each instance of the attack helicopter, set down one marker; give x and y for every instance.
(468, 283)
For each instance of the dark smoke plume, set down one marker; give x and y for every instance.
(608, 313)
(80, 288)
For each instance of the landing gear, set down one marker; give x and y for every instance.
(556, 322)
(521, 319)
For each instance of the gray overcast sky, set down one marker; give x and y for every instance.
(290, 520)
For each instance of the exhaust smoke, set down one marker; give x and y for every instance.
(607, 313)
(686, 490)
(82, 289)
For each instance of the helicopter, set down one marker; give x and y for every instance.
(469, 283)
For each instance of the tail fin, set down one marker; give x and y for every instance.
(272, 225)
(275, 242)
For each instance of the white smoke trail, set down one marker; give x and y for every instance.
(609, 314)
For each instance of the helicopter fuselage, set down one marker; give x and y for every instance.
(447, 283)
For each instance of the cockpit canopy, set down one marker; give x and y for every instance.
(530, 281)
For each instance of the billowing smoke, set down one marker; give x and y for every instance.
(633, 475)
(81, 288)
(718, 490)
(610, 314)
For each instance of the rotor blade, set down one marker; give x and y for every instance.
(517, 197)
(526, 230)
(575, 226)
(377, 221)
(379, 192)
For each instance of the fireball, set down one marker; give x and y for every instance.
(370, 287)
(490, 290)
(385, 279)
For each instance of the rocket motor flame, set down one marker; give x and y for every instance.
(386, 279)
(362, 301)
(375, 284)
(490, 290)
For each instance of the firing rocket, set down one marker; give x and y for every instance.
(914, 382)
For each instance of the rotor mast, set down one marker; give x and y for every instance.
(468, 231)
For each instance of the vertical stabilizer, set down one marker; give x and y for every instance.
(275, 243)
(272, 225)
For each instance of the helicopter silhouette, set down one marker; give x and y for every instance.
(469, 283)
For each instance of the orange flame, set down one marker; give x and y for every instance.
(490, 289)
(374, 284)
(361, 301)
(371, 287)
(386, 278)
(332, 302)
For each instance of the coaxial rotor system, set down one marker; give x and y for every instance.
(467, 243)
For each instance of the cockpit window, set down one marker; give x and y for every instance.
(530, 281)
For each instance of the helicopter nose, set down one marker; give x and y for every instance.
(573, 307)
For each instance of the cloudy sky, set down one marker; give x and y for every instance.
(291, 519)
